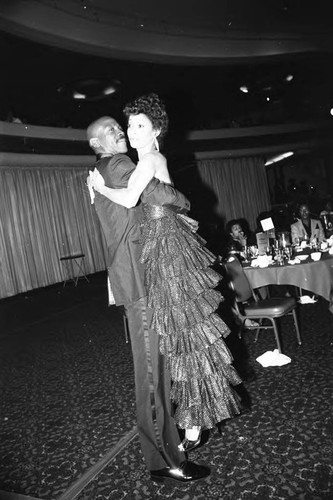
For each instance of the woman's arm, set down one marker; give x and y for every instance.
(128, 197)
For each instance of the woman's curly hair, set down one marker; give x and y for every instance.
(153, 107)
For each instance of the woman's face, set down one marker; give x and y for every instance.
(236, 231)
(140, 131)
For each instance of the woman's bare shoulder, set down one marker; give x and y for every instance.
(161, 168)
(154, 155)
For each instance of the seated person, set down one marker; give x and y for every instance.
(306, 228)
(327, 209)
(237, 240)
(326, 216)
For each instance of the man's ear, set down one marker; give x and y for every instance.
(94, 143)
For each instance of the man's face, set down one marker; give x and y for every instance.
(112, 138)
(304, 212)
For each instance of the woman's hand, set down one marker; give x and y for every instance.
(243, 239)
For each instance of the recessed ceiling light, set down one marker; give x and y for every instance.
(109, 90)
(78, 95)
(244, 89)
(90, 89)
(289, 78)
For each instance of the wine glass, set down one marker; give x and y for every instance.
(254, 251)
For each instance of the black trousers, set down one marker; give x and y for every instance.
(157, 429)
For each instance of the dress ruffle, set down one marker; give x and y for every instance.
(180, 285)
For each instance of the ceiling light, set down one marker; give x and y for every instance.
(78, 95)
(289, 78)
(277, 158)
(244, 89)
(90, 89)
(109, 90)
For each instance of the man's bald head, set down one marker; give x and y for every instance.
(106, 136)
(97, 127)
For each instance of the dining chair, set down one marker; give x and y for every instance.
(249, 307)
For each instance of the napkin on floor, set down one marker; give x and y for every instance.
(306, 299)
(273, 358)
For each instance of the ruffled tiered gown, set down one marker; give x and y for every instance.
(180, 285)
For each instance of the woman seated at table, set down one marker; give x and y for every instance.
(236, 245)
(306, 228)
(237, 240)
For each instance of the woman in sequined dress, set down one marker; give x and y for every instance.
(180, 284)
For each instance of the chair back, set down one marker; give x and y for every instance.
(238, 279)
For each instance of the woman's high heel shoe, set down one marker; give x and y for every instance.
(189, 444)
(186, 445)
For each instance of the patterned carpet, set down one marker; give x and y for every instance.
(67, 423)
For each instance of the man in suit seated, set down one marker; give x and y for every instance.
(306, 228)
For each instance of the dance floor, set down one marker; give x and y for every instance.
(67, 417)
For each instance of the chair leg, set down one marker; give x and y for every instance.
(240, 331)
(260, 321)
(126, 328)
(276, 333)
(297, 327)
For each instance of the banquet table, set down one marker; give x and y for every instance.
(314, 276)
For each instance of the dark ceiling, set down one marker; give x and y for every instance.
(38, 79)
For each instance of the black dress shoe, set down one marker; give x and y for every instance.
(186, 472)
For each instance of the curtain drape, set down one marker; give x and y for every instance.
(227, 188)
(45, 213)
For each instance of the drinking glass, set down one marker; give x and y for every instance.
(245, 253)
(253, 251)
(288, 252)
(315, 244)
(279, 256)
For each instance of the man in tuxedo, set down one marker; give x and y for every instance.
(306, 228)
(121, 226)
